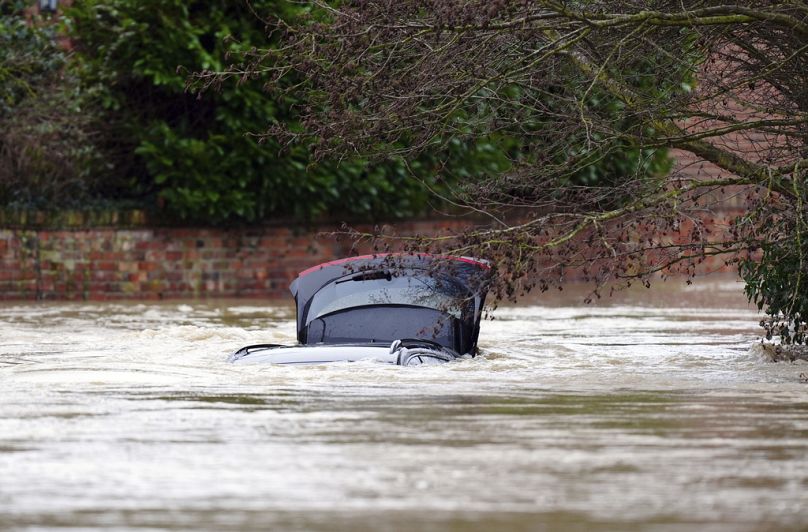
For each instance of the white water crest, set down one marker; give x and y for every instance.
(652, 410)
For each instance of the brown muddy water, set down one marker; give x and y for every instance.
(653, 411)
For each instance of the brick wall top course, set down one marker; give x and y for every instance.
(159, 263)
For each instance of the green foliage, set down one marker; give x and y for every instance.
(28, 56)
(777, 279)
(47, 151)
(197, 152)
(778, 283)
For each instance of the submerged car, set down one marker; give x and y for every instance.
(406, 309)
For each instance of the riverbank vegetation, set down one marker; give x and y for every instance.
(577, 84)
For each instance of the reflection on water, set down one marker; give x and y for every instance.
(653, 411)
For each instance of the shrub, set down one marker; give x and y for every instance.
(48, 154)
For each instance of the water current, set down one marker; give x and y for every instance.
(653, 410)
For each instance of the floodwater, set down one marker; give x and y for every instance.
(655, 410)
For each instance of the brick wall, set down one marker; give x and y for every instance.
(156, 263)
(151, 263)
(134, 262)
